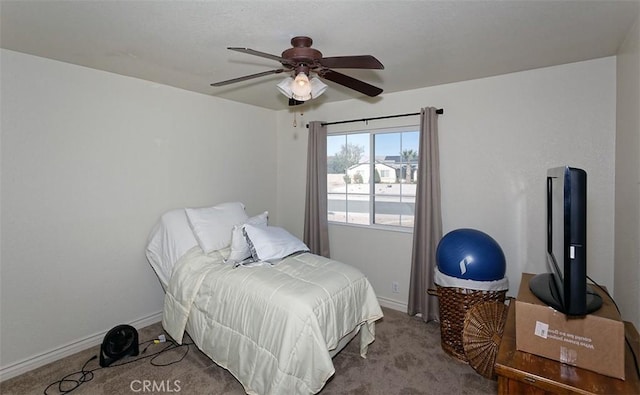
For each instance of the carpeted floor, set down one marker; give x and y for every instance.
(405, 359)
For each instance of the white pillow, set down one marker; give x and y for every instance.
(169, 239)
(212, 225)
(239, 247)
(268, 243)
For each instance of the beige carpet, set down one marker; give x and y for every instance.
(406, 358)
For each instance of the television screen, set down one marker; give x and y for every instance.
(565, 286)
(556, 232)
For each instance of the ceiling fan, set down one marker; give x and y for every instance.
(303, 60)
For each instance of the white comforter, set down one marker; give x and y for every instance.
(272, 327)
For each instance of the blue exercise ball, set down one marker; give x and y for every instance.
(471, 255)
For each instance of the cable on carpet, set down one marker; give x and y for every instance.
(74, 380)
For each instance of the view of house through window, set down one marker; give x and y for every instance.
(371, 177)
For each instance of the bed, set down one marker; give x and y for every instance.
(255, 300)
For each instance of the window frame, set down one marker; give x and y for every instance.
(371, 194)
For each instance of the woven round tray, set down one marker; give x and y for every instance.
(481, 335)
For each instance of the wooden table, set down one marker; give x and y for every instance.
(523, 373)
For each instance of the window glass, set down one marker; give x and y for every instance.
(371, 177)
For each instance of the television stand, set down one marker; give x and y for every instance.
(543, 286)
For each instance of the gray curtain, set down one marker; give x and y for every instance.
(427, 230)
(316, 227)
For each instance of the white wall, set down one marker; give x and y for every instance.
(91, 159)
(627, 244)
(89, 162)
(498, 136)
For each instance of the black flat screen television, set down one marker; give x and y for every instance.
(565, 287)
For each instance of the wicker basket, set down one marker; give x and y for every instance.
(482, 334)
(454, 304)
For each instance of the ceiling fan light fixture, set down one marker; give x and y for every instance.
(285, 87)
(302, 98)
(301, 87)
(317, 87)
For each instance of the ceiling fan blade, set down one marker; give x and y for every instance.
(352, 62)
(351, 82)
(261, 54)
(247, 77)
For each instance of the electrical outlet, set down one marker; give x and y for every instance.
(395, 287)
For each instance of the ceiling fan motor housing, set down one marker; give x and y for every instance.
(301, 53)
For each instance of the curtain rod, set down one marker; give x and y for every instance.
(438, 111)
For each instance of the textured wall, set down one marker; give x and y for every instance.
(89, 162)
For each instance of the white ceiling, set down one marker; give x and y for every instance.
(421, 43)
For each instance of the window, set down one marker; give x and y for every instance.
(371, 177)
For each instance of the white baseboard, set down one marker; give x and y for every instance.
(18, 368)
(392, 304)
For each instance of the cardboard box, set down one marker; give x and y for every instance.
(594, 342)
